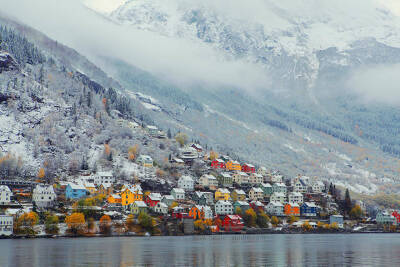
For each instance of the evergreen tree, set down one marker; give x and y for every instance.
(89, 99)
(347, 202)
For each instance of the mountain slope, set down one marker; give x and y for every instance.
(294, 124)
(54, 117)
(308, 119)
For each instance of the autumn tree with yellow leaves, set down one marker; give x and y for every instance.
(25, 223)
(41, 173)
(76, 223)
(306, 226)
(199, 225)
(105, 225)
(213, 155)
(250, 217)
(181, 138)
(275, 221)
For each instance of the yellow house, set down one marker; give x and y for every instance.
(131, 194)
(233, 166)
(105, 189)
(238, 195)
(114, 199)
(91, 188)
(222, 194)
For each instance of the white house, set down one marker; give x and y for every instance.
(256, 193)
(5, 195)
(262, 170)
(385, 217)
(240, 177)
(317, 187)
(279, 187)
(178, 193)
(256, 178)
(189, 153)
(161, 208)
(275, 208)
(223, 207)
(296, 197)
(186, 182)
(278, 197)
(103, 178)
(44, 196)
(299, 185)
(6, 225)
(276, 178)
(208, 213)
(208, 180)
(168, 199)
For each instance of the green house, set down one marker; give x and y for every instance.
(225, 179)
(243, 205)
(267, 189)
(138, 207)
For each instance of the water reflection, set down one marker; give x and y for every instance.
(237, 250)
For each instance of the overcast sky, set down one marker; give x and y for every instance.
(183, 60)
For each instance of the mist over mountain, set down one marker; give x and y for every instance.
(307, 87)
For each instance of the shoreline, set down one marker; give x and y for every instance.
(198, 235)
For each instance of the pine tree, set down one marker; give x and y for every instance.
(347, 202)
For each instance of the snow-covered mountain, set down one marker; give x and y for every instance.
(305, 118)
(285, 36)
(311, 51)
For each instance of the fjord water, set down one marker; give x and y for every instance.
(228, 250)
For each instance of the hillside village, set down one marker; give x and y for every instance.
(80, 157)
(196, 191)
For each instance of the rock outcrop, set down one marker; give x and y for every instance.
(7, 62)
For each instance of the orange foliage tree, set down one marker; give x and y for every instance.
(199, 225)
(130, 222)
(132, 152)
(26, 222)
(105, 225)
(41, 173)
(107, 149)
(75, 223)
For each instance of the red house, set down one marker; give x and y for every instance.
(218, 164)
(152, 199)
(178, 213)
(233, 223)
(397, 216)
(248, 168)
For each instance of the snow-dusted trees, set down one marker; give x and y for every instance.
(20, 47)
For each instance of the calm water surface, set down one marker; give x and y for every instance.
(249, 250)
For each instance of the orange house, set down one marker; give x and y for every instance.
(196, 213)
(292, 209)
(233, 166)
(131, 194)
(104, 189)
(114, 199)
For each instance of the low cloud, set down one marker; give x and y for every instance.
(379, 84)
(181, 60)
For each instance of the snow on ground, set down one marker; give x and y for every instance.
(151, 106)
(297, 150)
(209, 110)
(104, 6)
